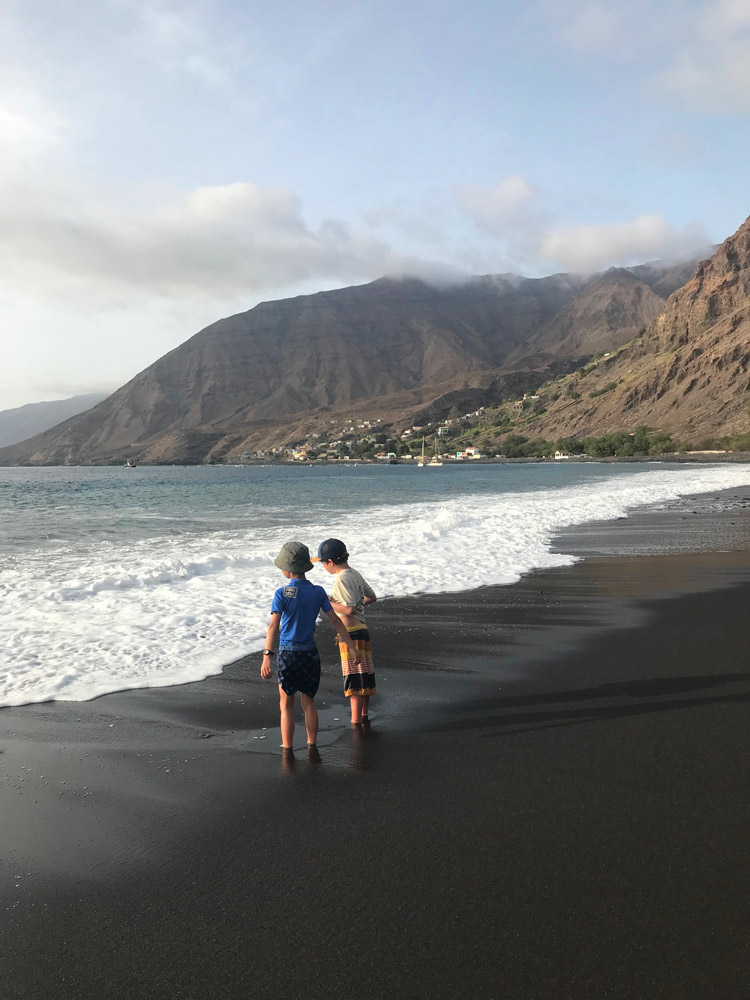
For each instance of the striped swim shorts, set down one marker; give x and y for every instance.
(359, 679)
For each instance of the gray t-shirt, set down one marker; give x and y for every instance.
(351, 588)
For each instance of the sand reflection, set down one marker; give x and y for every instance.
(363, 740)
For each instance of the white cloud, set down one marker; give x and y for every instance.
(512, 212)
(698, 53)
(67, 238)
(211, 242)
(711, 70)
(512, 203)
(592, 248)
(423, 222)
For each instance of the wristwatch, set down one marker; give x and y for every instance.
(269, 652)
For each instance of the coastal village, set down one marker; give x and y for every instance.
(367, 440)
(447, 440)
(487, 433)
(458, 437)
(372, 441)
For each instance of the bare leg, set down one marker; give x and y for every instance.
(356, 700)
(286, 704)
(311, 718)
(365, 706)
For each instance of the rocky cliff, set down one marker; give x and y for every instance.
(607, 312)
(688, 373)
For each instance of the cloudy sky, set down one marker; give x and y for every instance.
(164, 163)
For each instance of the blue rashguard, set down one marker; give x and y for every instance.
(298, 602)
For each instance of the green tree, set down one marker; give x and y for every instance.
(570, 445)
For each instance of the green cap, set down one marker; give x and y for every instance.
(294, 558)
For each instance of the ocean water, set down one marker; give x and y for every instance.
(114, 578)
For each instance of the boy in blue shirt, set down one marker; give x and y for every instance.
(294, 612)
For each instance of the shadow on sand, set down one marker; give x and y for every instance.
(652, 694)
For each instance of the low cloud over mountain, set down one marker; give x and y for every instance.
(391, 347)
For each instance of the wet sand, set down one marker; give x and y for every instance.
(551, 801)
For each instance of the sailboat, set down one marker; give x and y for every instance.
(435, 460)
(422, 462)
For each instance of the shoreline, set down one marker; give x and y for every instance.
(723, 504)
(549, 798)
(702, 458)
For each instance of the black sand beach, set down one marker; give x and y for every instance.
(551, 802)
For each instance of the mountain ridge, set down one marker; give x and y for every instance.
(22, 422)
(689, 371)
(392, 347)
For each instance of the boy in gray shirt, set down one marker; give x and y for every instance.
(351, 594)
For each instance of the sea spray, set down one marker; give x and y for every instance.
(168, 585)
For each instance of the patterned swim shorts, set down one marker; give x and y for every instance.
(358, 679)
(299, 670)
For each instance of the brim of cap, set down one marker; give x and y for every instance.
(315, 559)
(286, 567)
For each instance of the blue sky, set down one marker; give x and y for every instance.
(167, 162)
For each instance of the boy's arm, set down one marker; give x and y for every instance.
(271, 637)
(343, 609)
(349, 607)
(334, 619)
(339, 596)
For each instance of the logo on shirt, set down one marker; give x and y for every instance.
(290, 591)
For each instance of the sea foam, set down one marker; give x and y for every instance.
(105, 616)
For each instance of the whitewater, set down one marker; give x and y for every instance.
(113, 579)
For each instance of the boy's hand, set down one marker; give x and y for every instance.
(265, 669)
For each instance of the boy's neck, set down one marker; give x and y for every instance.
(340, 567)
(296, 576)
